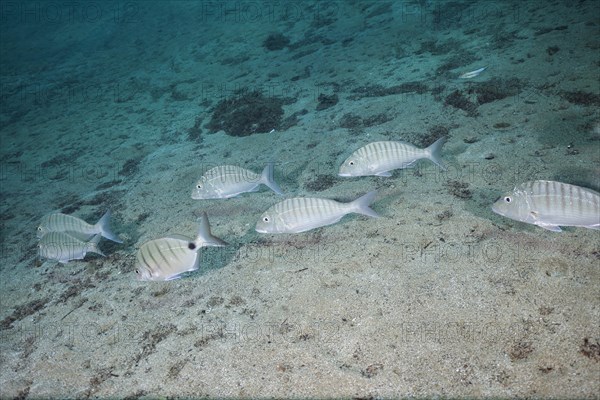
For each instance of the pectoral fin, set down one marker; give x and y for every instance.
(386, 174)
(550, 227)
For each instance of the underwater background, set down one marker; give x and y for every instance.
(124, 105)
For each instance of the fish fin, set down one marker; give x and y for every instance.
(550, 227)
(386, 174)
(177, 236)
(84, 237)
(205, 237)
(596, 227)
(361, 205)
(49, 263)
(409, 165)
(435, 150)
(93, 246)
(267, 179)
(105, 228)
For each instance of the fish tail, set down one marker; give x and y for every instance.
(434, 152)
(92, 246)
(205, 237)
(267, 179)
(103, 225)
(362, 204)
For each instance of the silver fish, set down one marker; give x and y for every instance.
(167, 258)
(550, 204)
(229, 181)
(302, 214)
(58, 222)
(379, 158)
(472, 74)
(62, 247)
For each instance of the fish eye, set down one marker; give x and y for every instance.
(199, 186)
(39, 228)
(351, 163)
(266, 219)
(137, 271)
(507, 199)
(191, 246)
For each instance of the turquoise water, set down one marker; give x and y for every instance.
(125, 105)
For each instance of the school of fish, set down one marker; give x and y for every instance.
(546, 204)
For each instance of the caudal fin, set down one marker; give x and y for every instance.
(267, 179)
(92, 246)
(105, 230)
(434, 152)
(362, 204)
(205, 237)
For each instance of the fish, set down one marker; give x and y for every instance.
(300, 214)
(168, 258)
(62, 247)
(379, 158)
(472, 74)
(58, 222)
(229, 181)
(550, 205)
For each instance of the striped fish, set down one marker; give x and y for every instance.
(229, 181)
(167, 258)
(302, 214)
(379, 158)
(62, 247)
(550, 205)
(472, 74)
(58, 222)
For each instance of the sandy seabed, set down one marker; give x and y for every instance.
(439, 297)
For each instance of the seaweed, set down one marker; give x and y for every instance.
(195, 132)
(372, 370)
(456, 61)
(581, 98)
(248, 113)
(380, 9)
(543, 31)
(75, 289)
(459, 189)
(380, 91)
(130, 167)
(176, 368)
(24, 393)
(458, 100)
(438, 48)
(501, 125)
(276, 41)
(326, 102)
(520, 350)
(320, 182)
(215, 301)
(350, 121)
(152, 338)
(497, 89)
(101, 376)
(23, 311)
(376, 119)
(590, 349)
